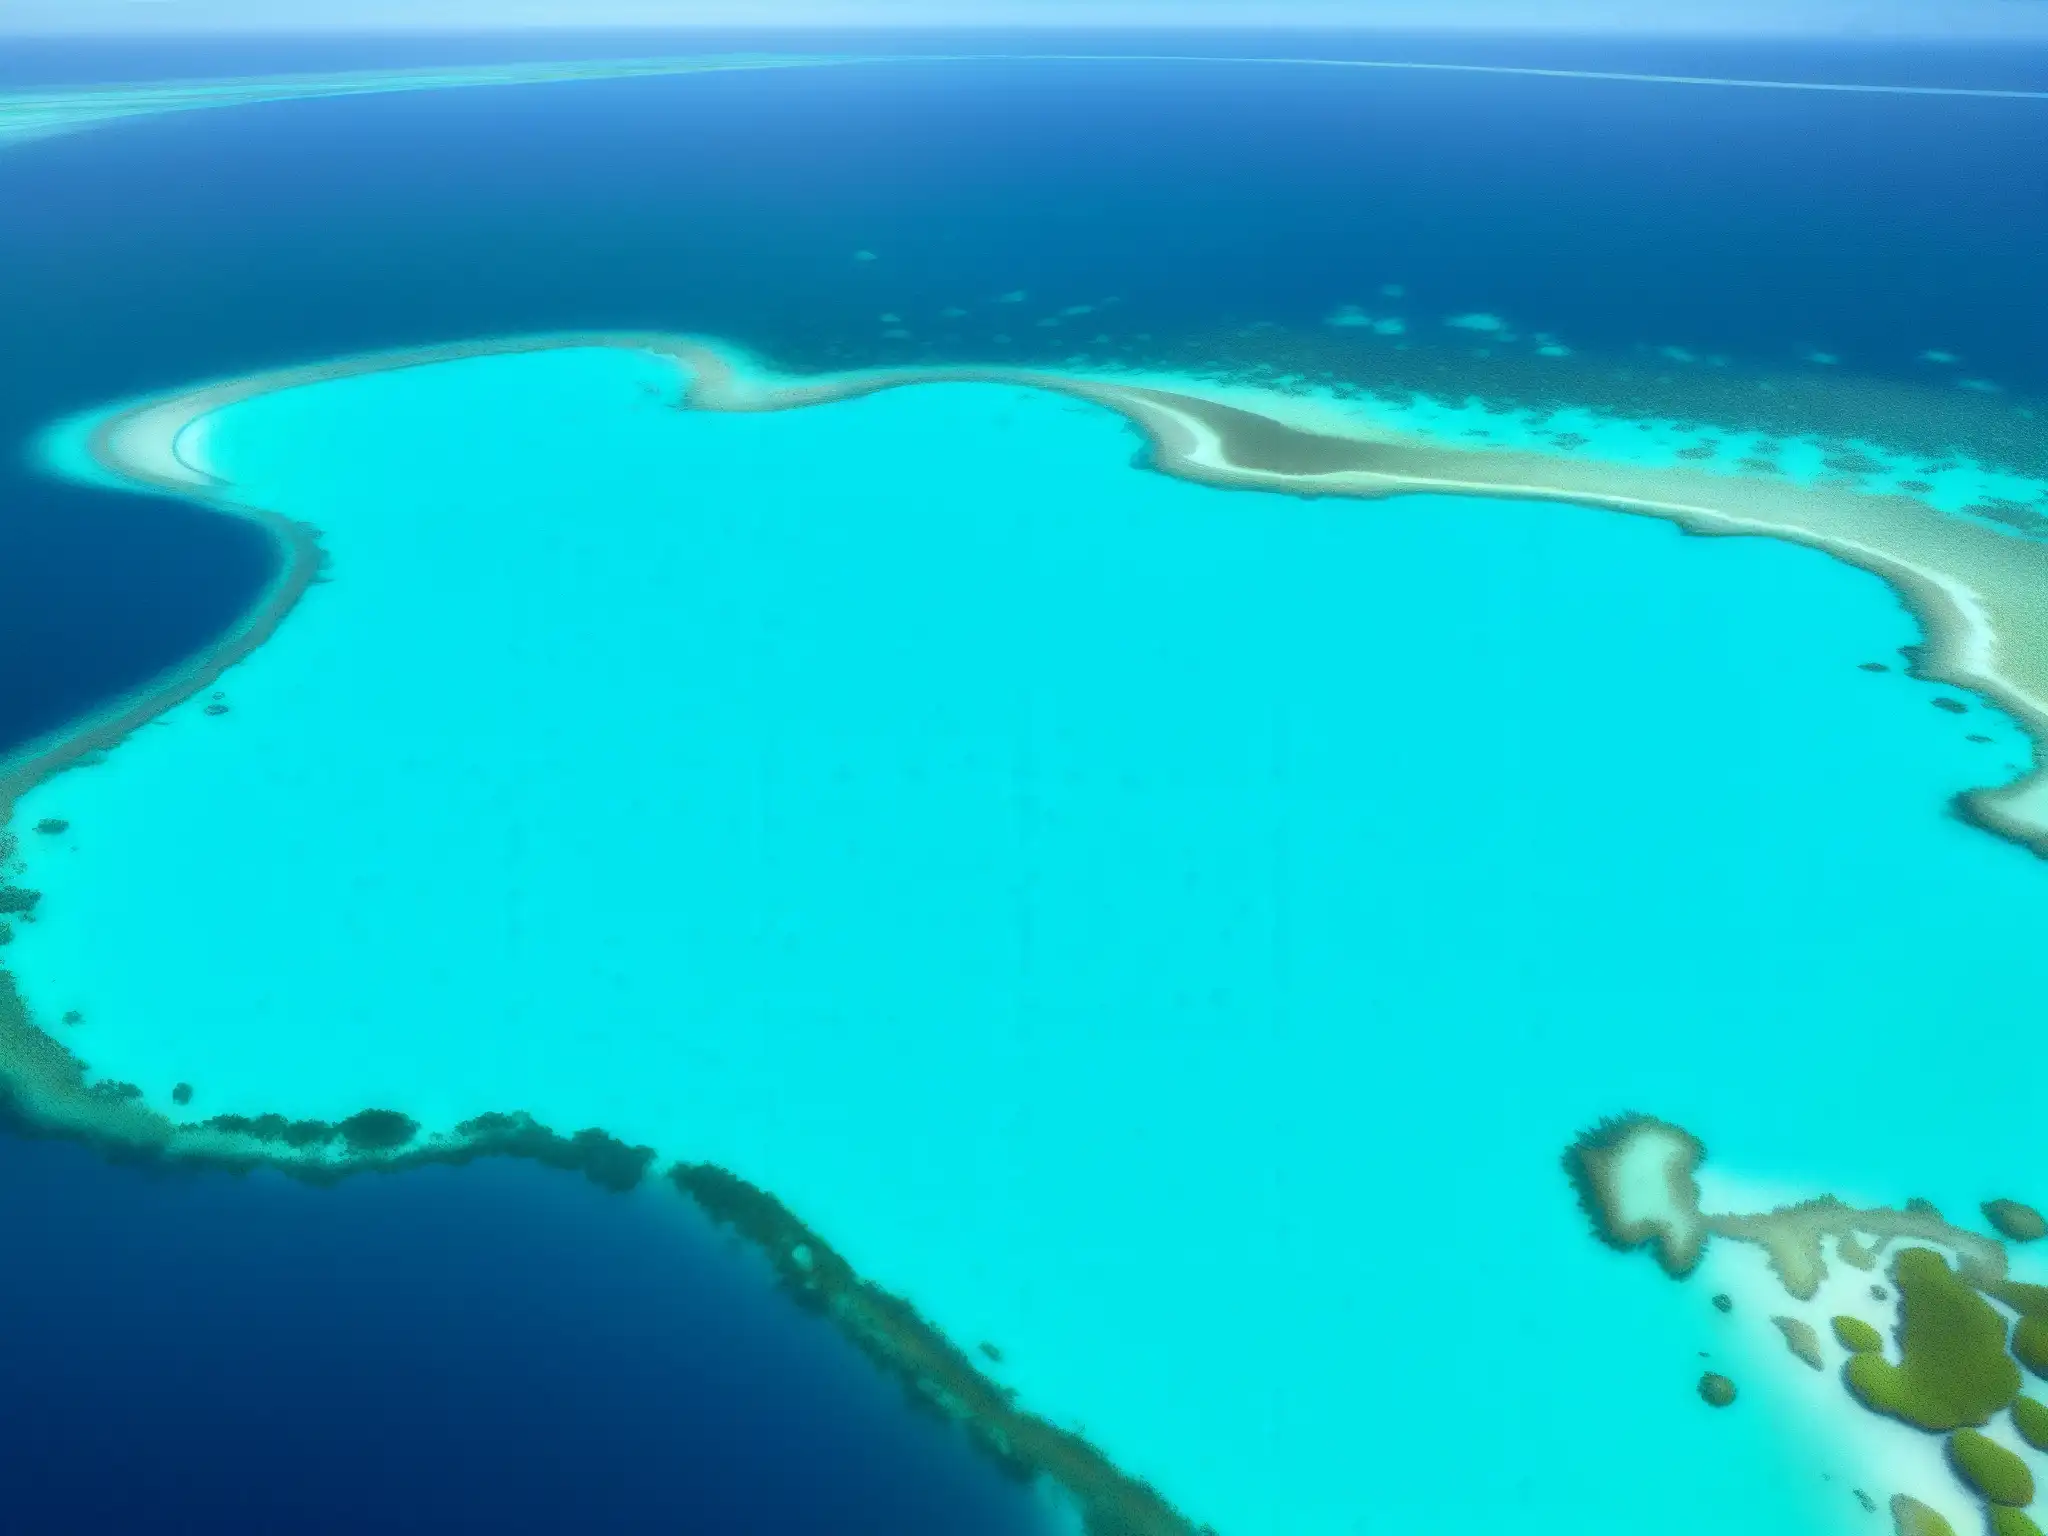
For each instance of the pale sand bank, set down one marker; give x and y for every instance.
(1975, 588)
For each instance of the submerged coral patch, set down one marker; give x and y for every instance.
(2015, 1222)
(1716, 1390)
(1801, 1340)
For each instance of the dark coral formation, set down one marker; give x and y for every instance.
(182, 1094)
(2015, 1222)
(377, 1137)
(53, 826)
(2013, 514)
(16, 898)
(932, 1370)
(1716, 1390)
(603, 1159)
(377, 1130)
(368, 1131)
(297, 1134)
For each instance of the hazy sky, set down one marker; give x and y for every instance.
(1924, 18)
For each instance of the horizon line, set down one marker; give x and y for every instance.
(1673, 30)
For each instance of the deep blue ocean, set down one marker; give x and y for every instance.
(509, 1347)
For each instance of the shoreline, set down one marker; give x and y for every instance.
(43, 1087)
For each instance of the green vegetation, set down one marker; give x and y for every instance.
(2015, 1222)
(1912, 1518)
(1953, 1371)
(1990, 1468)
(2030, 1337)
(2030, 1418)
(2007, 1521)
(2030, 1343)
(1857, 1336)
(2027, 1300)
(1716, 1390)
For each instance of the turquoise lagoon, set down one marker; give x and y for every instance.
(1166, 933)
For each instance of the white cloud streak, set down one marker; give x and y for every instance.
(1958, 19)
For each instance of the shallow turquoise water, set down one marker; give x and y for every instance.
(1170, 933)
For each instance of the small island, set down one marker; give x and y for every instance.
(1962, 1338)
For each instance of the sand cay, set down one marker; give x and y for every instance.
(1020, 1137)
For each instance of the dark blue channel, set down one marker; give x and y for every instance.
(500, 1347)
